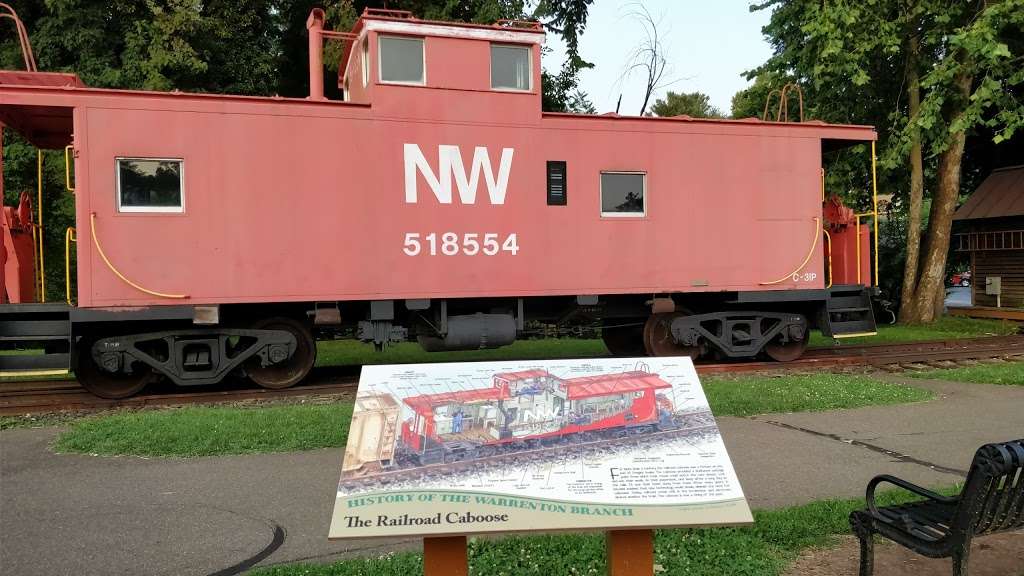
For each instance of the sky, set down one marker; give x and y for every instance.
(708, 45)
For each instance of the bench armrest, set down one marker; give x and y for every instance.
(870, 496)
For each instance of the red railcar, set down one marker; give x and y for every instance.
(436, 203)
(532, 405)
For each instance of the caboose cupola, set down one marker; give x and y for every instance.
(409, 67)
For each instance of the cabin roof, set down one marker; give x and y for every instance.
(1000, 195)
(424, 403)
(606, 384)
(522, 374)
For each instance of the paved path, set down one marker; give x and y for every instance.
(83, 515)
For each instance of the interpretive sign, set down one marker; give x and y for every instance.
(464, 448)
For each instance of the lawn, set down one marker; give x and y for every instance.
(757, 394)
(216, 431)
(946, 327)
(1009, 374)
(349, 352)
(764, 549)
(210, 431)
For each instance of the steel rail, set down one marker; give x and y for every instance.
(22, 398)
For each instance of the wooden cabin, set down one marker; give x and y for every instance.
(990, 228)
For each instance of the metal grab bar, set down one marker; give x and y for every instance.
(39, 224)
(828, 244)
(26, 46)
(69, 237)
(99, 250)
(67, 168)
(814, 244)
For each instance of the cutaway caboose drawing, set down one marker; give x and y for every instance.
(520, 410)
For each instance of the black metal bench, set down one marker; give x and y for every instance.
(992, 500)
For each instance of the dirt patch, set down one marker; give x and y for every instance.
(999, 555)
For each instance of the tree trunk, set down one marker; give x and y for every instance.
(908, 310)
(941, 218)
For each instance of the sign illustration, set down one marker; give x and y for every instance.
(548, 445)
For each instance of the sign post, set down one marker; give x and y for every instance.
(618, 445)
(630, 552)
(445, 556)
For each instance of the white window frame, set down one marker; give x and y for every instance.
(380, 61)
(604, 214)
(490, 67)
(365, 55)
(149, 209)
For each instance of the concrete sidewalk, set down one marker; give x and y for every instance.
(91, 515)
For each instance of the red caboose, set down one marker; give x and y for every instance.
(531, 405)
(437, 203)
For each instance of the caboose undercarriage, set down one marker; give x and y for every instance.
(116, 352)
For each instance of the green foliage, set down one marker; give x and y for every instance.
(852, 60)
(693, 104)
(210, 431)
(1010, 374)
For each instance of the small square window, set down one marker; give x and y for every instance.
(510, 67)
(150, 185)
(623, 194)
(401, 60)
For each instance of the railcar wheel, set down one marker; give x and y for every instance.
(623, 340)
(112, 386)
(788, 351)
(658, 339)
(294, 369)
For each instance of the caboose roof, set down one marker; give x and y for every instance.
(424, 403)
(522, 374)
(402, 22)
(609, 384)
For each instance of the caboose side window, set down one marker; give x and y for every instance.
(401, 60)
(510, 67)
(623, 194)
(150, 185)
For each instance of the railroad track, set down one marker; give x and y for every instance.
(703, 422)
(40, 397)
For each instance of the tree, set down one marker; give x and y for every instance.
(941, 71)
(648, 57)
(694, 104)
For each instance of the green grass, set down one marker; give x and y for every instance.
(216, 431)
(1009, 374)
(764, 549)
(946, 327)
(349, 352)
(758, 394)
(210, 431)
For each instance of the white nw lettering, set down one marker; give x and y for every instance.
(449, 163)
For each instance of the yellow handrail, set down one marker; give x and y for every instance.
(823, 184)
(39, 224)
(874, 206)
(67, 168)
(814, 244)
(856, 236)
(828, 243)
(99, 250)
(69, 237)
